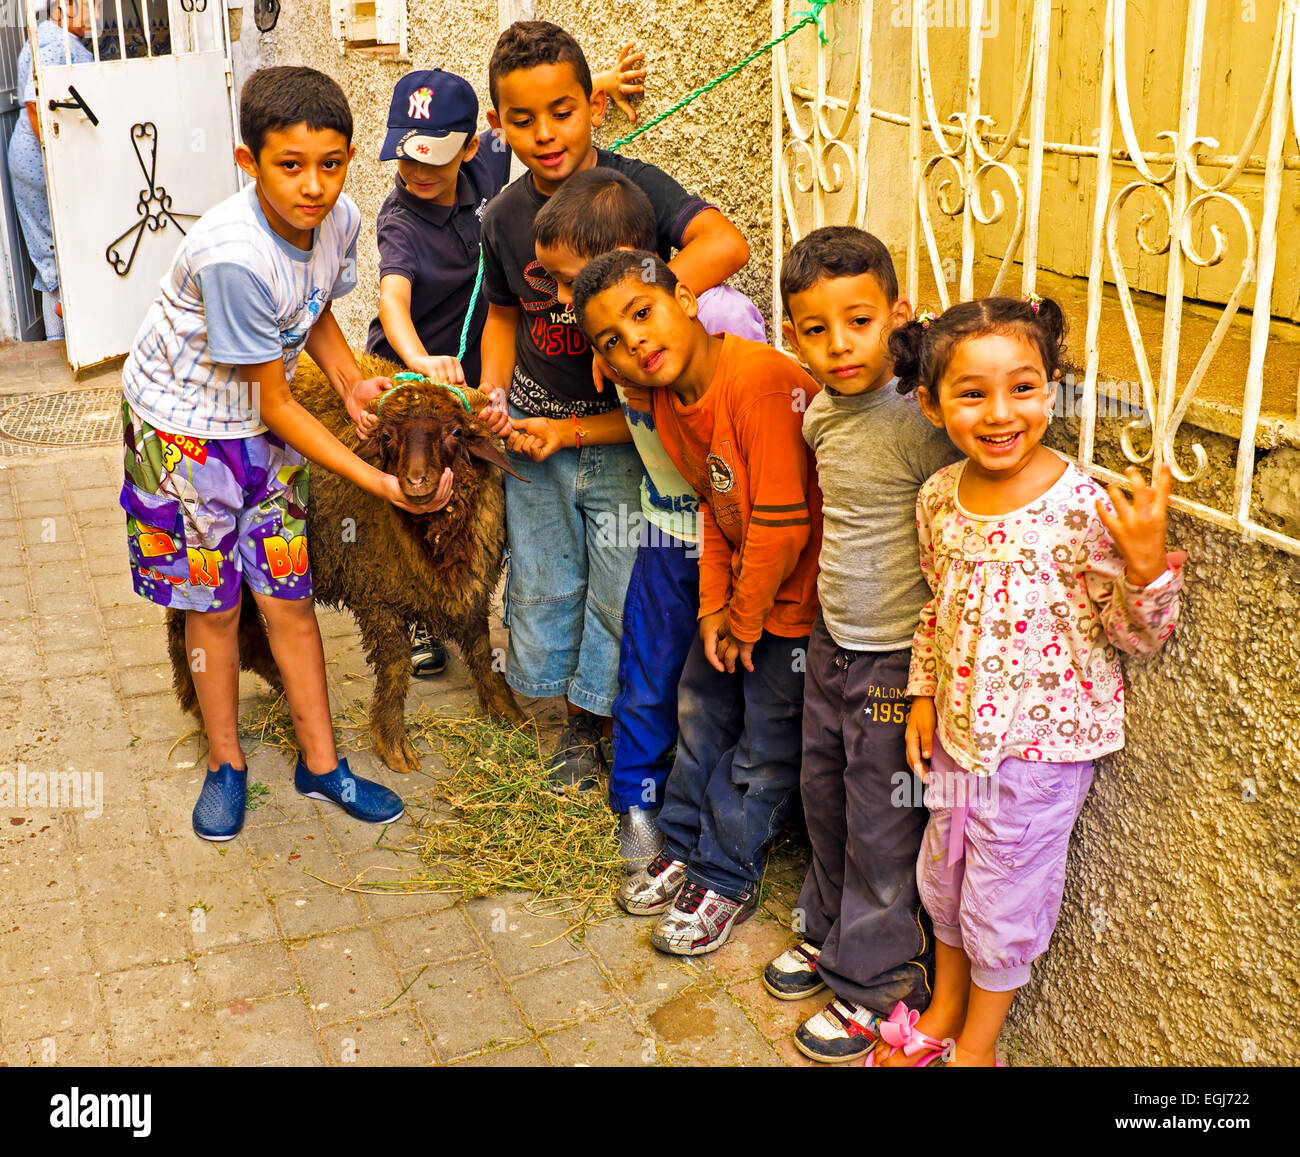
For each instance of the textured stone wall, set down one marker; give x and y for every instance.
(1177, 939)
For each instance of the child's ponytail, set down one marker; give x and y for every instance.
(907, 348)
(1052, 322)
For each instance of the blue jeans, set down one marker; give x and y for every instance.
(571, 560)
(659, 625)
(737, 768)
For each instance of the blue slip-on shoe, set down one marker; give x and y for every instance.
(362, 799)
(219, 814)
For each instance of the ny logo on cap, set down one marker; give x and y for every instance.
(419, 105)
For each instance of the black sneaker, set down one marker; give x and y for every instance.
(428, 656)
(793, 974)
(842, 1031)
(579, 754)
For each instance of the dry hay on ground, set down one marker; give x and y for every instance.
(488, 823)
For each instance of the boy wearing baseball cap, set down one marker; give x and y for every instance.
(428, 226)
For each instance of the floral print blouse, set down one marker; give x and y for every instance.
(1019, 645)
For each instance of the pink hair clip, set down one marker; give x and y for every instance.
(1032, 300)
(925, 317)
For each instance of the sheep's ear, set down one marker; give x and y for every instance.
(368, 449)
(481, 448)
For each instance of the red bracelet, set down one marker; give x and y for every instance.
(578, 432)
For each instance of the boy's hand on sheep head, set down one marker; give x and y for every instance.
(498, 420)
(356, 398)
(390, 489)
(440, 369)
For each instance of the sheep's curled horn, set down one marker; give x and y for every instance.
(473, 401)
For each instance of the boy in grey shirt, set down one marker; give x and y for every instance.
(865, 934)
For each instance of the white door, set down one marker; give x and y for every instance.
(137, 146)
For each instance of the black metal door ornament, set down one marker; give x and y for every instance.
(154, 206)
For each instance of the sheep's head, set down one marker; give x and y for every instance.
(423, 429)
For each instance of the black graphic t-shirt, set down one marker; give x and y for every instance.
(552, 375)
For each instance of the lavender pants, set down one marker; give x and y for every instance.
(992, 866)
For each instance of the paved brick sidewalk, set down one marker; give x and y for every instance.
(126, 940)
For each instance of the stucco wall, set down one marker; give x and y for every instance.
(1177, 938)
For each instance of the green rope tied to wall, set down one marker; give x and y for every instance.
(810, 15)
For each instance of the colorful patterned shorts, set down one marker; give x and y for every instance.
(202, 514)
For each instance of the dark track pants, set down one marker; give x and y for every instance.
(865, 822)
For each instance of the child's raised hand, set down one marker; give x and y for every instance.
(627, 79)
(921, 722)
(1138, 526)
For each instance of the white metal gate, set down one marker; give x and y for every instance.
(138, 144)
(971, 167)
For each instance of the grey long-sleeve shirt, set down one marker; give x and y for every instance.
(873, 451)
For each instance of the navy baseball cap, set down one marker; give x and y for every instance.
(431, 117)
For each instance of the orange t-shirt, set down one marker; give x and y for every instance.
(741, 447)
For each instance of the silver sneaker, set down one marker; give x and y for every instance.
(653, 888)
(639, 838)
(700, 921)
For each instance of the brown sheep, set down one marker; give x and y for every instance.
(391, 569)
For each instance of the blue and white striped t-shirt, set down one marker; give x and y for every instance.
(237, 294)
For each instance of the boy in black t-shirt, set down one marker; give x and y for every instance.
(569, 532)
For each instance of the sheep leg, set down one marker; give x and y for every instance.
(388, 651)
(182, 679)
(494, 694)
(255, 648)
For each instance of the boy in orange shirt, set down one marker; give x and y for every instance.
(730, 415)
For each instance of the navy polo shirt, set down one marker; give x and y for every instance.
(436, 248)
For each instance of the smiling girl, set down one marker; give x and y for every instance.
(1038, 579)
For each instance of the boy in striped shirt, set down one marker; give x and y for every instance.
(216, 478)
